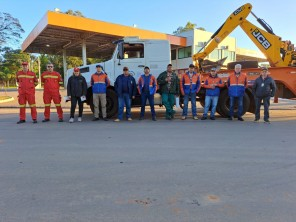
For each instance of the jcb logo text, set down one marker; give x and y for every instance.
(261, 39)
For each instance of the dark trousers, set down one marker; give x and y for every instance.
(74, 101)
(168, 100)
(266, 103)
(240, 100)
(144, 97)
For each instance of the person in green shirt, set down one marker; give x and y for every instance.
(169, 87)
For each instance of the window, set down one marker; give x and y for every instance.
(201, 44)
(197, 48)
(184, 52)
(85, 69)
(216, 54)
(131, 51)
(173, 54)
(230, 55)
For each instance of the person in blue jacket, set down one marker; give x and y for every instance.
(126, 89)
(212, 85)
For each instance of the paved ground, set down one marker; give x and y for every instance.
(148, 171)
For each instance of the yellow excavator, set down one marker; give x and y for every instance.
(278, 53)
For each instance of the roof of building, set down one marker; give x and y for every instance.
(57, 31)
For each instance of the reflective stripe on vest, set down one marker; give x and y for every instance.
(49, 76)
(26, 76)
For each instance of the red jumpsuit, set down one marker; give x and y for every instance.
(26, 89)
(52, 82)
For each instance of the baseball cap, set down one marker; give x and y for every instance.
(24, 63)
(146, 67)
(99, 66)
(76, 69)
(264, 68)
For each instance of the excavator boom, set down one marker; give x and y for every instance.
(278, 53)
(234, 20)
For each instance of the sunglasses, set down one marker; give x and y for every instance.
(49, 66)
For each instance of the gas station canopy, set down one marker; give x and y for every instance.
(57, 33)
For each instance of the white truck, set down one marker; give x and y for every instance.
(134, 53)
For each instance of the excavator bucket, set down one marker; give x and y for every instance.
(206, 65)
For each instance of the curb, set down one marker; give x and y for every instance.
(7, 100)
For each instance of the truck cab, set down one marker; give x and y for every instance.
(134, 53)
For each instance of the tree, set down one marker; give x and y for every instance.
(11, 60)
(75, 13)
(188, 26)
(10, 29)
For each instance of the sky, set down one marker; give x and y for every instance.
(163, 16)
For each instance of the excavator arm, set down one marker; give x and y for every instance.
(278, 53)
(234, 20)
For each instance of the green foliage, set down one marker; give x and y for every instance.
(10, 29)
(75, 13)
(188, 26)
(11, 60)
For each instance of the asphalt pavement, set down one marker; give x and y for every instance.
(148, 171)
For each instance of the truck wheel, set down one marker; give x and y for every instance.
(224, 104)
(112, 103)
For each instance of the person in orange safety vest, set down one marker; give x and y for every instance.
(51, 81)
(27, 81)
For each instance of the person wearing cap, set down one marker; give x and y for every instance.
(27, 81)
(99, 82)
(147, 86)
(237, 82)
(264, 87)
(126, 90)
(190, 85)
(212, 85)
(76, 89)
(169, 87)
(52, 81)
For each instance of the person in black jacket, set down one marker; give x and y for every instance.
(126, 89)
(263, 88)
(76, 91)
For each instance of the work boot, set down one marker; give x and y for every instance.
(240, 119)
(45, 120)
(21, 121)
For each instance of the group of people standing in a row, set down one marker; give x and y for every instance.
(168, 83)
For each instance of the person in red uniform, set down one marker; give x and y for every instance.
(27, 81)
(51, 81)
